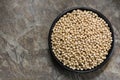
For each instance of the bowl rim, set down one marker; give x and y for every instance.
(69, 10)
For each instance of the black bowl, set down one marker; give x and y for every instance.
(69, 11)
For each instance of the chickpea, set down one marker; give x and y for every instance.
(81, 40)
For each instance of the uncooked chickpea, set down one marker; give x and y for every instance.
(81, 40)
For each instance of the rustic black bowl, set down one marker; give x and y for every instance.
(69, 11)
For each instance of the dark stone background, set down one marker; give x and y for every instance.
(24, 26)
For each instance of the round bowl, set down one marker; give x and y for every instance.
(69, 11)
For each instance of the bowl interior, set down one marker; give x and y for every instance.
(69, 11)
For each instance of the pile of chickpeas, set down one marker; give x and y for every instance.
(81, 40)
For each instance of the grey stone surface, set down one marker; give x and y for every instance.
(24, 26)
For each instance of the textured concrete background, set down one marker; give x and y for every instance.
(24, 26)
